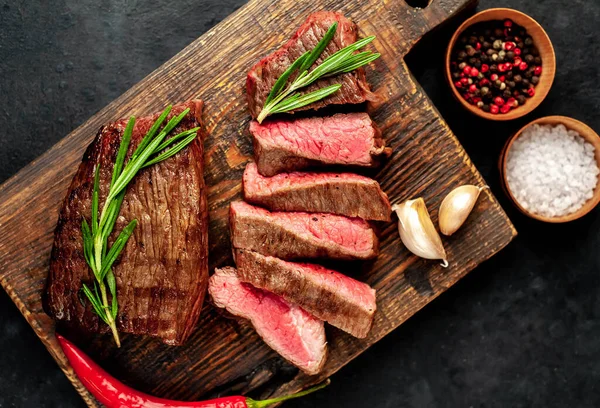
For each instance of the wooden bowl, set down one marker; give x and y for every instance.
(540, 40)
(584, 131)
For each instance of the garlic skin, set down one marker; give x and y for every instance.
(457, 206)
(417, 231)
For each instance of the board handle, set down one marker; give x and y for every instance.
(423, 20)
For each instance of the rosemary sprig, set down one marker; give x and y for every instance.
(284, 99)
(98, 256)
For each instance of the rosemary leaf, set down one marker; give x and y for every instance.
(87, 243)
(355, 62)
(307, 99)
(282, 80)
(320, 47)
(95, 199)
(176, 138)
(96, 303)
(172, 151)
(112, 287)
(151, 133)
(123, 147)
(116, 248)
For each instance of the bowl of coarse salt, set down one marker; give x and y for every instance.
(550, 169)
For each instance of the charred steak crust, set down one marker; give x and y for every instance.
(283, 145)
(264, 74)
(295, 334)
(298, 235)
(330, 296)
(346, 194)
(162, 273)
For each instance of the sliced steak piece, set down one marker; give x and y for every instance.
(295, 334)
(337, 193)
(343, 139)
(264, 74)
(339, 300)
(162, 272)
(299, 235)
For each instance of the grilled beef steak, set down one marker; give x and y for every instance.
(300, 235)
(162, 272)
(264, 74)
(342, 139)
(292, 332)
(337, 193)
(339, 300)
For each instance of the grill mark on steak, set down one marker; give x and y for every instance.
(264, 74)
(329, 295)
(300, 235)
(350, 139)
(292, 332)
(162, 272)
(346, 194)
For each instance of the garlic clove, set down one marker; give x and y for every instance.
(417, 231)
(457, 206)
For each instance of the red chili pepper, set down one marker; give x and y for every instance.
(114, 394)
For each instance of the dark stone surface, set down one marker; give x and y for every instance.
(522, 330)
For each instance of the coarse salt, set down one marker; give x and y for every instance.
(551, 170)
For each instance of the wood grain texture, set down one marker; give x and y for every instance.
(226, 356)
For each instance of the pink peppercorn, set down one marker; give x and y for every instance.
(517, 51)
(523, 66)
(473, 88)
(494, 109)
(505, 108)
(537, 71)
(498, 101)
(474, 72)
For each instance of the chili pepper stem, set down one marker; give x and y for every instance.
(265, 403)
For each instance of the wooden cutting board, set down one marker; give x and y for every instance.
(226, 356)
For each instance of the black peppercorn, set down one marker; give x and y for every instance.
(535, 51)
(521, 99)
(490, 52)
(528, 41)
(472, 60)
(510, 55)
(493, 68)
(537, 60)
(535, 80)
(486, 45)
(511, 84)
(472, 40)
(529, 58)
(517, 78)
(520, 44)
(484, 58)
(509, 74)
(461, 55)
(528, 74)
(470, 51)
(525, 83)
(485, 107)
(507, 93)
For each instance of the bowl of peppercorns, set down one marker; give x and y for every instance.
(500, 64)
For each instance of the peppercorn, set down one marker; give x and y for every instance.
(502, 54)
(472, 60)
(497, 45)
(510, 55)
(493, 77)
(462, 65)
(509, 74)
(528, 41)
(461, 55)
(498, 32)
(472, 40)
(528, 74)
(525, 82)
(535, 51)
(491, 52)
(484, 90)
(529, 58)
(485, 107)
(505, 108)
(502, 86)
(498, 83)
(477, 64)
(507, 93)
(463, 39)
(484, 58)
(511, 84)
(494, 57)
(531, 92)
(521, 99)
(485, 68)
(537, 60)
(470, 51)
(473, 88)
(480, 104)
(486, 45)
(494, 109)
(535, 80)
(517, 51)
